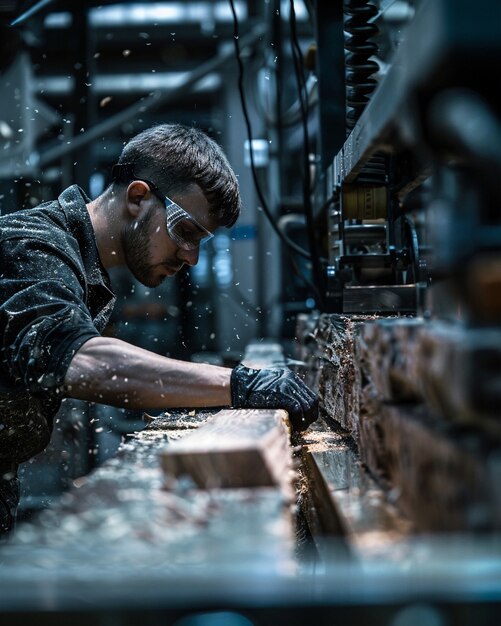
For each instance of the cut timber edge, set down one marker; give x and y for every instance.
(235, 448)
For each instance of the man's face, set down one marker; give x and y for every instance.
(150, 253)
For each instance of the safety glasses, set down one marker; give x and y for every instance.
(183, 229)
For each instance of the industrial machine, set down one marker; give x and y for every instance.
(415, 189)
(407, 140)
(414, 225)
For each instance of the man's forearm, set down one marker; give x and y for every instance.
(111, 371)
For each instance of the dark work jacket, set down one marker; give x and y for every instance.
(54, 296)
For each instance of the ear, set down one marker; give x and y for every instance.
(137, 193)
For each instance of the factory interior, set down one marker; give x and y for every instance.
(366, 139)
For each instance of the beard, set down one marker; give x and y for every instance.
(136, 242)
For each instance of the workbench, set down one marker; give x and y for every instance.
(128, 545)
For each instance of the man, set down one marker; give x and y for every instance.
(171, 189)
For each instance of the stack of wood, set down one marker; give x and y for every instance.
(235, 449)
(130, 518)
(454, 371)
(419, 401)
(326, 347)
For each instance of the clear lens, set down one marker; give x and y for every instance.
(187, 234)
(183, 229)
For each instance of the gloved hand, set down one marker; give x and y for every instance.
(274, 388)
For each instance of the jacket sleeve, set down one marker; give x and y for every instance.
(43, 316)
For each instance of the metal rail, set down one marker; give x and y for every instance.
(153, 101)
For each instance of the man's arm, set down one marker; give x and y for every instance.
(111, 371)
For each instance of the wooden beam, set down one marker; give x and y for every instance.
(445, 477)
(386, 352)
(326, 345)
(343, 501)
(262, 354)
(455, 371)
(235, 448)
(417, 401)
(123, 514)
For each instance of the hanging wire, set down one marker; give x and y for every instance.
(303, 100)
(290, 245)
(245, 112)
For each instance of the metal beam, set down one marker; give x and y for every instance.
(155, 100)
(38, 6)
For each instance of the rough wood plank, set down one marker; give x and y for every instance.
(459, 373)
(344, 500)
(417, 416)
(235, 448)
(455, 371)
(326, 346)
(122, 516)
(262, 354)
(386, 352)
(443, 476)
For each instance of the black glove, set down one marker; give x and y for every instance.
(274, 388)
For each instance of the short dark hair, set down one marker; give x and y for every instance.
(174, 156)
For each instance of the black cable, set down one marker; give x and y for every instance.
(297, 57)
(299, 70)
(245, 112)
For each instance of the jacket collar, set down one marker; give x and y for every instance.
(73, 203)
